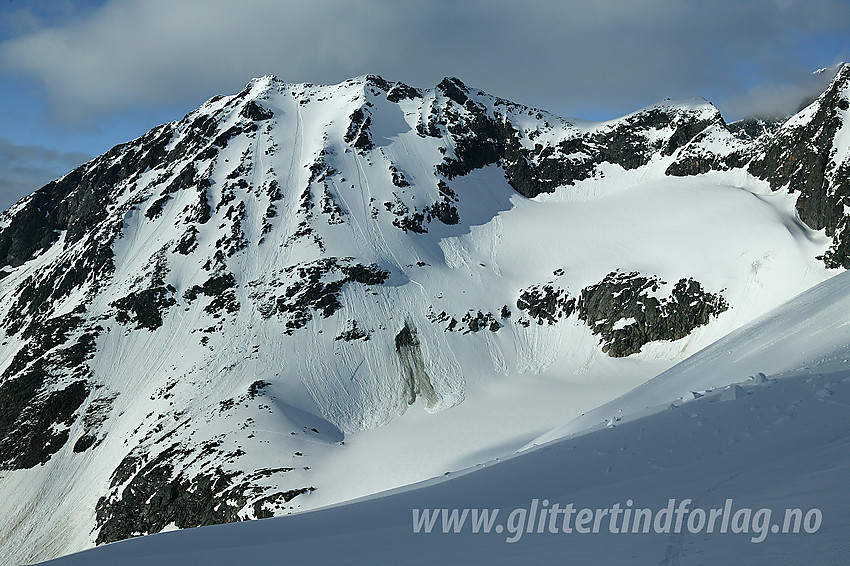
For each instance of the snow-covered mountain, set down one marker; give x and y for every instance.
(303, 294)
(766, 441)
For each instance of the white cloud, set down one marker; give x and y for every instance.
(559, 55)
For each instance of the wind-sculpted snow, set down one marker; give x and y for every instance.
(302, 279)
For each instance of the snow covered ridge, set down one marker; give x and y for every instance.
(199, 324)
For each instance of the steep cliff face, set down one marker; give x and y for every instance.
(194, 322)
(809, 156)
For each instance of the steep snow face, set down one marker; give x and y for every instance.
(776, 441)
(229, 317)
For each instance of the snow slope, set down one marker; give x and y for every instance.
(808, 335)
(779, 441)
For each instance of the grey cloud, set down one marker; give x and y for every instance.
(780, 100)
(25, 168)
(17, 18)
(564, 56)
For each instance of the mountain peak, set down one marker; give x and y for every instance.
(695, 109)
(260, 86)
(841, 83)
(454, 89)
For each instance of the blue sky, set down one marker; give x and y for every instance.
(79, 76)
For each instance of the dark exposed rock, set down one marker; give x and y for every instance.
(202, 125)
(353, 332)
(477, 142)
(415, 220)
(223, 138)
(36, 408)
(837, 255)
(398, 177)
(47, 336)
(188, 241)
(256, 388)
(306, 200)
(273, 191)
(84, 443)
(319, 169)
(627, 144)
(406, 220)
(800, 158)
(395, 91)
(33, 422)
(358, 134)
(184, 179)
(315, 287)
(482, 139)
(454, 89)
(472, 321)
(531, 173)
(444, 211)
(480, 321)
(331, 208)
(431, 124)
(545, 304)
(366, 274)
(94, 416)
(71, 204)
(80, 206)
(158, 495)
(630, 300)
(378, 81)
(93, 265)
(401, 91)
(625, 311)
(236, 241)
(221, 287)
(685, 129)
(696, 165)
(753, 128)
(201, 212)
(145, 308)
(416, 381)
(255, 111)
(446, 191)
